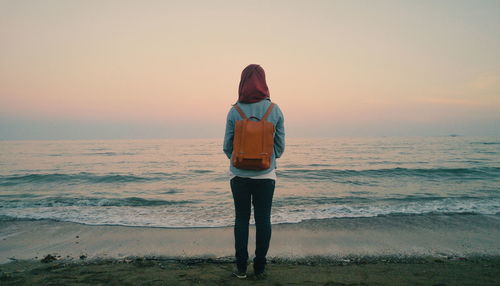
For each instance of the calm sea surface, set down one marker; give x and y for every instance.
(184, 183)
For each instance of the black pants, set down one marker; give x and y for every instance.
(258, 192)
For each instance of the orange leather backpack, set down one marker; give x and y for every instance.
(253, 142)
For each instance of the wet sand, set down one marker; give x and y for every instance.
(430, 235)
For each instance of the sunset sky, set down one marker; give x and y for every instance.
(166, 69)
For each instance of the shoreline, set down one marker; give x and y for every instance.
(4, 218)
(461, 235)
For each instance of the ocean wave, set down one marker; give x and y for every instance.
(17, 196)
(465, 173)
(185, 215)
(321, 200)
(109, 153)
(390, 207)
(366, 200)
(101, 202)
(201, 171)
(82, 177)
(486, 143)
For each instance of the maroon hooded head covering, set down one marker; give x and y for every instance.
(253, 86)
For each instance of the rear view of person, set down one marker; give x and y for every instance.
(253, 185)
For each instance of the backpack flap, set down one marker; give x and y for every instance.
(253, 142)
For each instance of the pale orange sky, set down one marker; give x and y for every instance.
(173, 67)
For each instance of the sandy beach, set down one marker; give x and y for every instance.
(450, 250)
(424, 271)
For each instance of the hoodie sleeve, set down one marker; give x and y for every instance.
(279, 136)
(228, 137)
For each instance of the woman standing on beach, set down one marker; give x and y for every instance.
(253, 186)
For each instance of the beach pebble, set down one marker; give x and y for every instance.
(48, 258)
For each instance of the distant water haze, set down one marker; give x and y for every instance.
(168, 69)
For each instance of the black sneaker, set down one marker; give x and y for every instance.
(240, 274)
(259, 270)
(260, 275)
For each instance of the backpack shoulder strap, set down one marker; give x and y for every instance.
(268, 111)
(240, 111)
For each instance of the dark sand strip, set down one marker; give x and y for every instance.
(431, 271)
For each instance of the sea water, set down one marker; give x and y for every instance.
(184, 182)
